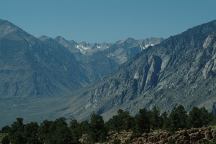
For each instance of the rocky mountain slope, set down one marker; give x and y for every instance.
(29, 67)
(180, 70)
(125, 50)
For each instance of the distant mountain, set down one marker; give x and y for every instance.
(125, 50)
(101, 59)
(111, 50)
(30, 67)
(179, 70)
(83, 47)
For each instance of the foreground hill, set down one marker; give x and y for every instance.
(181, 69)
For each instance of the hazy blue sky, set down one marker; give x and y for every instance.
(107, 20)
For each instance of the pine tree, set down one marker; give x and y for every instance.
(76, 131)
(155, 119)
(31, 133)
(16, 133)
(199, 117)
(165, 120)
(178, 118)
(142, 121)
(121, 121)
(5, 140)
(97, 131)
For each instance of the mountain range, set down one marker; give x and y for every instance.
(36, 71)
(179, 70)
(44, 66)
(47, 77)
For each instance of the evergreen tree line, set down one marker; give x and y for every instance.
(61, 132)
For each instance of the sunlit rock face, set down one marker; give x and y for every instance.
(179, 70)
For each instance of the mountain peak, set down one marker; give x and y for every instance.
(10, 31)
(6, 28)
(130, 39)
(1, 20)
(60, 38)
(66, 43)
(44, 38)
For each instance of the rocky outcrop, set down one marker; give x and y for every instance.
(152, 76)
(187, 136)
(190, 136)
(210, 66)
(209, 40)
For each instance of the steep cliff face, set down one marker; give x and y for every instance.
(180, 70)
